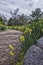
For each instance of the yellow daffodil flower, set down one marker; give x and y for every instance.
(11, 47)
(22, 38)
(11, 53)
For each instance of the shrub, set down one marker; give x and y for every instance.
(2, 28)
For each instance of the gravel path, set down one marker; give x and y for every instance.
(9, 37)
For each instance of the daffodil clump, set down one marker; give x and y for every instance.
(27, 30)
(22, 38)
(11, 47)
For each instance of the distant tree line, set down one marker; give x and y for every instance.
(21, 19)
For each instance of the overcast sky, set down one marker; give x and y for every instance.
(25, 6)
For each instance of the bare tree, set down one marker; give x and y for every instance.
(15, 13)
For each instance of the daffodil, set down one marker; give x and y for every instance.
(22, 38)
(11, 53)
(27, 30)
(11, 47)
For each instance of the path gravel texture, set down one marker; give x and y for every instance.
(9, 38)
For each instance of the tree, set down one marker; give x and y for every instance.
(15, 12)
(10, 21)
(1, 20)
(36, 14)
(23, 19)
(4, 19)
(14, 16)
